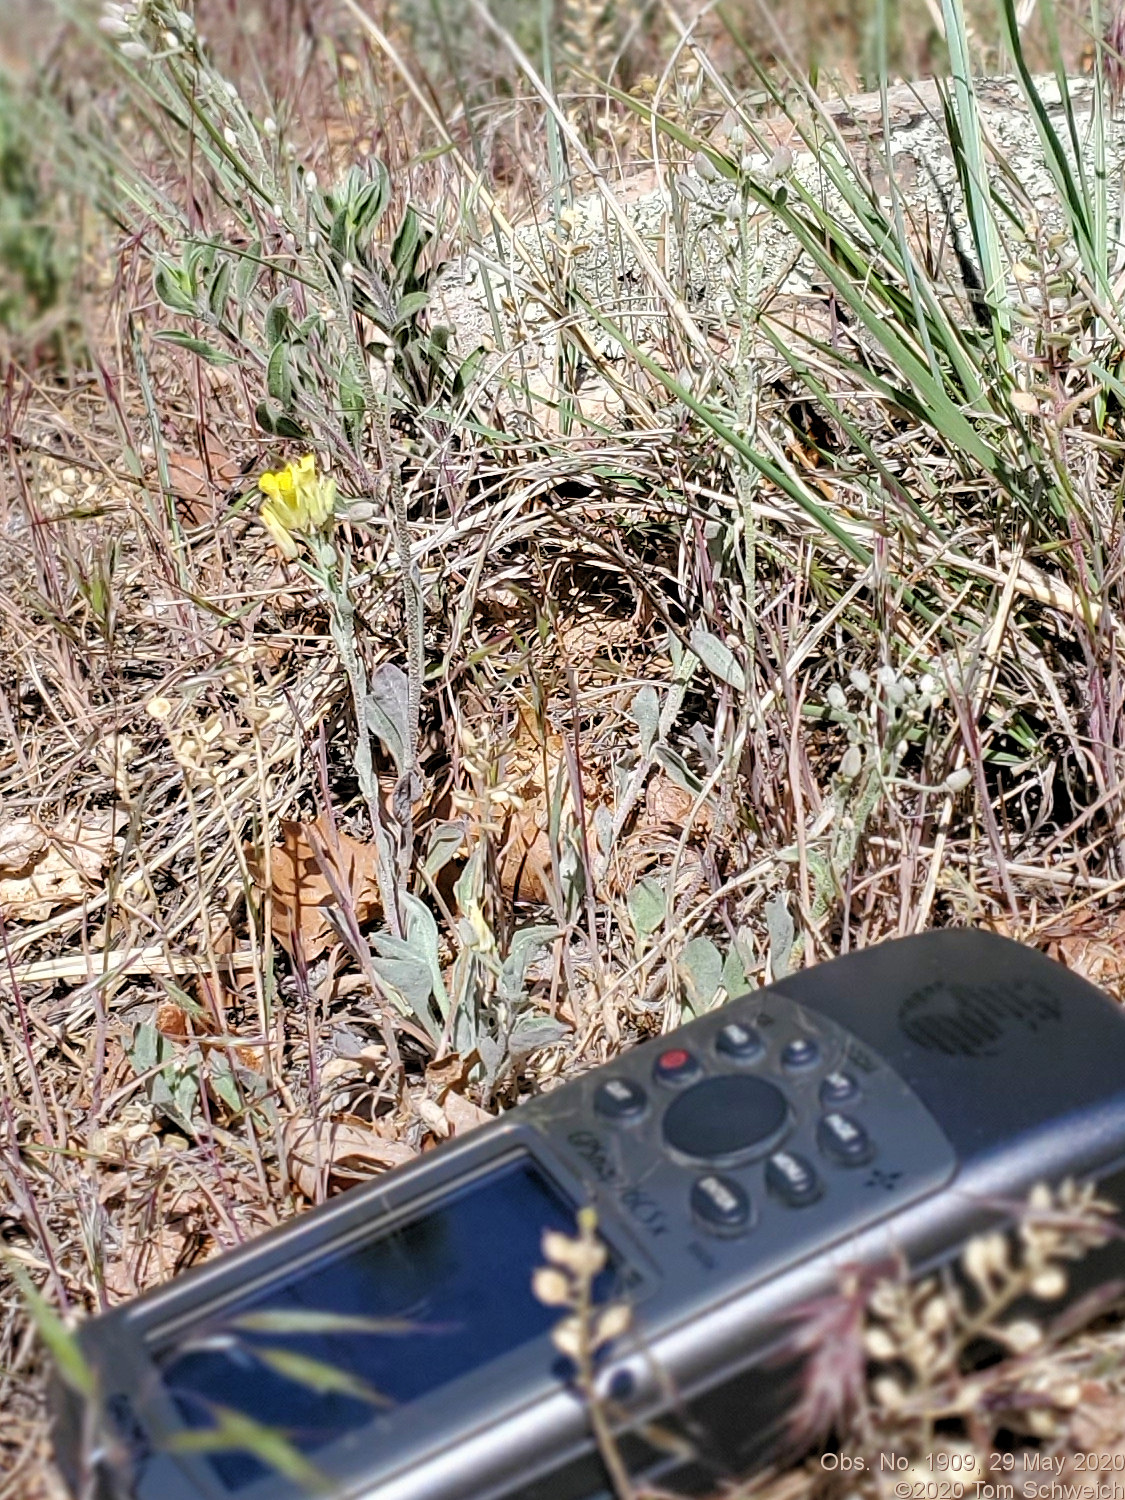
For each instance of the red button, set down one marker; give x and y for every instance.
(676, 1066)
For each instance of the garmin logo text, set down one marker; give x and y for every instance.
(592, 1150)
(969, 1020)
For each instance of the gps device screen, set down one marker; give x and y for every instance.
(326, 1351)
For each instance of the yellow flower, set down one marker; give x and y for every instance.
(286, 545)
(299, 500)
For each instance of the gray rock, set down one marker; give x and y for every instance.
(690, 222)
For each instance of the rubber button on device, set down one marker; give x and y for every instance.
(720, 1204)
(838, 1088)
(792, 1178)
(620, 1099)
(676, 1066)
(802, 1052)
(723, 1118)
(738, 1042)
(843, 1139)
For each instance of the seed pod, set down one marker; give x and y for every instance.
(879, 1344)
(888, 1393)
(935, 1315)
(1049, 1284)
(567, 1337)
(1022, 1335)
(611, 1324)
(852, 763)
(551, 1286)
(580, 1257)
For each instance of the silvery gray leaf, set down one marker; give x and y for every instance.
(532, 1032)
(702, 742)
(408, 790)
(735, 979)
(647, 905)
(346, 1042)
(779, 925)
(718, 658)
(645, 709)
(407, 974)
(678, 769)
(702, 967)
(445, 840)
(603, 828)
(388, 711)
(525, 943)
(422, 936)
(493, 1056)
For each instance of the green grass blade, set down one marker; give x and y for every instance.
(1072, 196)
(61, 1343)
(234, 1432)
(318, 1375)
(974, 177)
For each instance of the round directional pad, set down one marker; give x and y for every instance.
(723, 1118)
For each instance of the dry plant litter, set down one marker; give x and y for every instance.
(399, 718)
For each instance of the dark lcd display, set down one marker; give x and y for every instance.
(439, 1297)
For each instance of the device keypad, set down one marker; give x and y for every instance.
(765, 1125)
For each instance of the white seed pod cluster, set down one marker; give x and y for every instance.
(573, 1264)
(917, 1336)
(119, 20)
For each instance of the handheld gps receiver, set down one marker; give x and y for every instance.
(892, 1103)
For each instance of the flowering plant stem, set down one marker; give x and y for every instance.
(330, 573)
(235, 146)
(337, 293)
(409, 789)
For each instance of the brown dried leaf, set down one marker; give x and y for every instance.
(525, 860)
(302, 896)
(534, 765)
(665, 802)
(189, 482)
(171, 1021)
(21, 844)
(51, 870)
(1093, 947)
(432, 1113)
(463, 1115)
(1090, 942)
(325, 1153)
(448, 1072)
(178, 1237)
